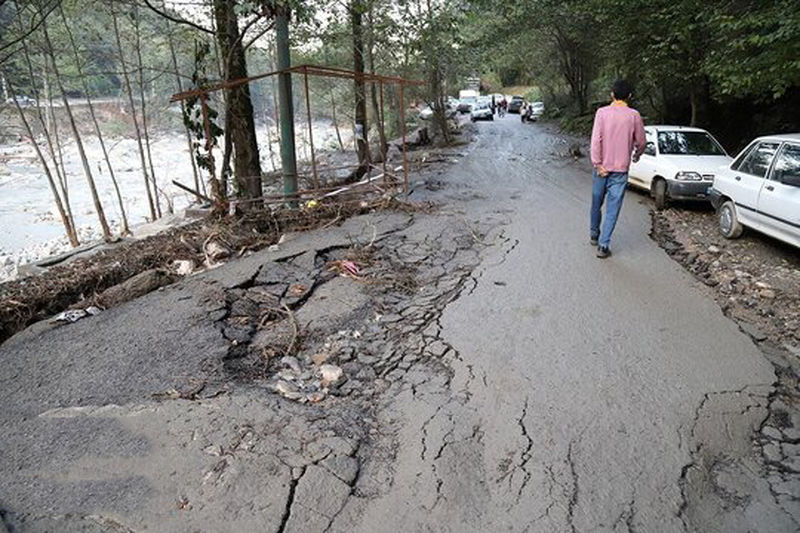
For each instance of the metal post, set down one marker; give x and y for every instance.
(288, 154)
(310, 131)
(403, 130)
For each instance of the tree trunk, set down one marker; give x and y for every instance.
(699, 96)
(124, 229)
(98, 206)
(44, 121)
(66, 220)
(376, 110)
(362, 141)
(140, 68)
(336, 122)
(247, 167)
(199, 184)
(129, 91)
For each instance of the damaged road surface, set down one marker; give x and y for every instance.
(473, 368)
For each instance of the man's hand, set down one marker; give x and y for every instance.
(601, 171)
(635, 158)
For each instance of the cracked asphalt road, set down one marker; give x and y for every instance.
(500, 378)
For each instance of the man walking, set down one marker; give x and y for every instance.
(618, 131)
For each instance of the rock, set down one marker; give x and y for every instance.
(332, 375)
(769, 294)
(713, 249)
(315, 397)
(320, 358)
(772, 433)
(288, 391)
(216, 251)
(292, 363)
(183, 267)
(762, 285)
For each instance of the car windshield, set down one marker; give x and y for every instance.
(688, 143)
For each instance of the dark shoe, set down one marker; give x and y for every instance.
(603, 252)
(593, 241)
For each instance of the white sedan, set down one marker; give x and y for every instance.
(481, 111)
(761, 190)
(678, 163)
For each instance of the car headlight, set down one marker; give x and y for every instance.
(688, 176)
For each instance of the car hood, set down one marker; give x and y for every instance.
(704, 164)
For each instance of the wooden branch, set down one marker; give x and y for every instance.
(175, 19)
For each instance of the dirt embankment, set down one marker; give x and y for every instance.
(81, 282)
(756, 279)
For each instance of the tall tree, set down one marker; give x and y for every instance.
(247, 166)
(98, 205)
(357, 9)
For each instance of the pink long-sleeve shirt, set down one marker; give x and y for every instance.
(617, 131)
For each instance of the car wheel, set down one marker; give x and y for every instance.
(660, 194)
(729, 224)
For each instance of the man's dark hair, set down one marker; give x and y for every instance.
(622, 90)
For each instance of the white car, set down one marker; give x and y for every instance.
(761, 190)
(678, 163)
(482, 110)
(427, 112)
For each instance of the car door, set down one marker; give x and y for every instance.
(779, 200)
(641, 173)
(749, 174)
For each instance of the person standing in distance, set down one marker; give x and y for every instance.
(617, 136)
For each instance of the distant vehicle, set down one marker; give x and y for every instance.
(679, 163)
(427, 112)
(467, 99)
(482, 111)
(23, 101)
(761, 190)
(515, 104)
(533, 112)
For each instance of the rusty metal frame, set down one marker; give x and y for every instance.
(313, 70)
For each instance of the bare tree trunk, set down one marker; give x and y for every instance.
(129, 92)
(65, 219)
(124, 229)
(199, 185)
(98, 206)
(362, 141)
(140, 68)
(376, 111)
(336, 122)
(44, 122)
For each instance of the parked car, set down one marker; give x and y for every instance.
(533, 112)
(427, 112)
(482, 111)
(679, 163)
(761, 190)
(515, 104)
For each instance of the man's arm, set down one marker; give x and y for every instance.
(597, 144)
(597, 139)
(639, 139)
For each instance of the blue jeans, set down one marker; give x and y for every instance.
(613, 188)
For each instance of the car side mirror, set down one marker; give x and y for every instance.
(790, 179)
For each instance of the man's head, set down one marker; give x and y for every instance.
(622, 90)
